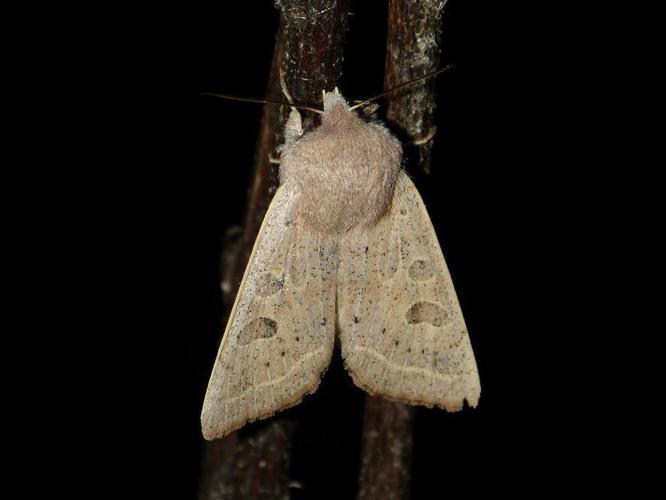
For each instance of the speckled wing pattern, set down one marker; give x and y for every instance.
(402, 332)
(280, 335)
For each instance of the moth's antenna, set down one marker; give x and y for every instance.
(260, 101)
(411, 82)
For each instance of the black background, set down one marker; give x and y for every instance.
(182, 163)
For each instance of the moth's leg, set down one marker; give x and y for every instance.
(283, 85)
(274, 160)
(293, 129)
(370, 111)
(423, 139)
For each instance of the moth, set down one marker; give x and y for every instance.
(346, 248)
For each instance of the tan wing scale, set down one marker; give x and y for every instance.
(402, 332)
(280, 334)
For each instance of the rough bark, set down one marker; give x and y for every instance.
(314, 33)
(253, 463)
(386, 455)
(413, 50)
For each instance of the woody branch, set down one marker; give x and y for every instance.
(413, 50)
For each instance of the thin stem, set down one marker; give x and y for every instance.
(413, 51)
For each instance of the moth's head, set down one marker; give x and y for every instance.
(335, 108)
(333, 99)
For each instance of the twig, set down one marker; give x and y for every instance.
(413, 50)
(387, 450)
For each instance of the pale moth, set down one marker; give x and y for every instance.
(346, 247)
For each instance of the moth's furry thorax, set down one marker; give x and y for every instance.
(344, 171)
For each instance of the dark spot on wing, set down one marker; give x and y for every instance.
(269, 284)
(259, 328)
(426, 312)
(421, 270)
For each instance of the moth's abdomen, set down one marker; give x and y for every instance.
(344, 172)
